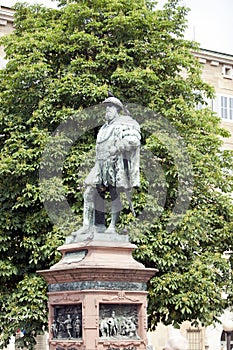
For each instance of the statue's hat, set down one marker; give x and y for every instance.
(114, 101)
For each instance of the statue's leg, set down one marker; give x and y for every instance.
(99, 217)
(115, 209)
(88, 211)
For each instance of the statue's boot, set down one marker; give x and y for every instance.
(115, 210)
(114, 219)
(87, 220)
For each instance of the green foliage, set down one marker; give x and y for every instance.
(24, 309)
(63, 61)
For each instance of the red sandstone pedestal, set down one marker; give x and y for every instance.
(97, 298)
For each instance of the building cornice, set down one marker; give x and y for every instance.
(214, 56)
(6, 15)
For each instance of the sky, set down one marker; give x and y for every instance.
(209, 21)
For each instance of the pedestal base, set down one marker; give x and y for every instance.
(97, 298)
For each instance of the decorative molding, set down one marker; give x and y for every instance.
(120, 296)
(145, 323)
(67, 345)
(64, 298)
(123, 343)
(214, 63)
(97, 285)
(202, 60)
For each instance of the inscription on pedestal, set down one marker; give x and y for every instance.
(118, 321)
(67, 322)
(76, 256)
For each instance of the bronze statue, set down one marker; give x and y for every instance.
(116, 168)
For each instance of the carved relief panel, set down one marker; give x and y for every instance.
(67, 322)
(118, 321)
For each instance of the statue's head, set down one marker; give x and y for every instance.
(113, 101)
(113, 107)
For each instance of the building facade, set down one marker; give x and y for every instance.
(6, 27)
(217, 70)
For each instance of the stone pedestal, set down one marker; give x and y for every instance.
(97, 297)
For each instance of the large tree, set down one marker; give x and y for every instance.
(63, 61)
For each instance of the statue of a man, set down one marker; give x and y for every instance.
(116, 167)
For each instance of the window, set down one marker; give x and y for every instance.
(227, 107)
(227, 72)
(195, 339)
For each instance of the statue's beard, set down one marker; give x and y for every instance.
(110, 116)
